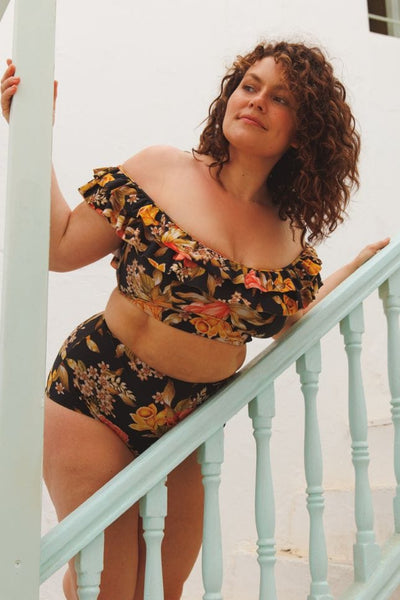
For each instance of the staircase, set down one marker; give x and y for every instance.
(25, 560)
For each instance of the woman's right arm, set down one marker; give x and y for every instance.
(78, 237)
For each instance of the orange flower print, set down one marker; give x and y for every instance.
(252, 281)
(218, 309)
(187, 262)
(180, 255)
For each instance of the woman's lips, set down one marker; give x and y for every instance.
(252, 120)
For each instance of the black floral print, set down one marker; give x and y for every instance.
(181, 282)
(96, 375)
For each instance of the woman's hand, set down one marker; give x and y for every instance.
(331, 282)
(368, 252)
(9, 87)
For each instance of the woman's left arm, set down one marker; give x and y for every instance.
(331, 282)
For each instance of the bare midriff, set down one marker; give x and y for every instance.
(173, 352)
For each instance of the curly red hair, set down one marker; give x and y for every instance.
(311, 183)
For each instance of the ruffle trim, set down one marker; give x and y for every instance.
(173, 252)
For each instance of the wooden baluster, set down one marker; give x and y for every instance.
(366, 551)
(390, 294)
(309, 367)
(262, 411)
(211, 456)
(88, 567)
(153, 510)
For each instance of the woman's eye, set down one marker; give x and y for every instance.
(281, 100)
(248, 88)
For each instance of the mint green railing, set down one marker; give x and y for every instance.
(376, 570)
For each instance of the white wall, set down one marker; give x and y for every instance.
(133, 74)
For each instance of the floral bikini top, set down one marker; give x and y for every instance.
(182, 283)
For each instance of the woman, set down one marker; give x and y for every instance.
(211, 243)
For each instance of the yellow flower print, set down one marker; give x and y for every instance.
(119, 351)
(288, 305)
(110, 215)
(62, 375)
(172, 234)
(88, 186)
(289, 285)
(147, 214)
(311, 267)
(91, 344)
(120, 222)
(283, 285)
(226, 333)
(216, 328)
(154, 310)
(177, 240)
(206, 326)
(105, 179)
(291, 305)
(146, 418)
(156, 265)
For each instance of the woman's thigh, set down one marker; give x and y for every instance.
(80, 456)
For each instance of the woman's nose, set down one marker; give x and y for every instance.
(258, 103)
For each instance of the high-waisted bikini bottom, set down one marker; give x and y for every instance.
(96, 375)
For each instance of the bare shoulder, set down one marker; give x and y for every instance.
(154, 161)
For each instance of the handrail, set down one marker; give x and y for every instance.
(87, 521)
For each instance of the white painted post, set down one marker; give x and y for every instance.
(262, 411)
(24, 300)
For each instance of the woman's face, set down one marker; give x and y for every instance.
(260, 117)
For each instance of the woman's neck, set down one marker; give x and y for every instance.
(245, 178)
